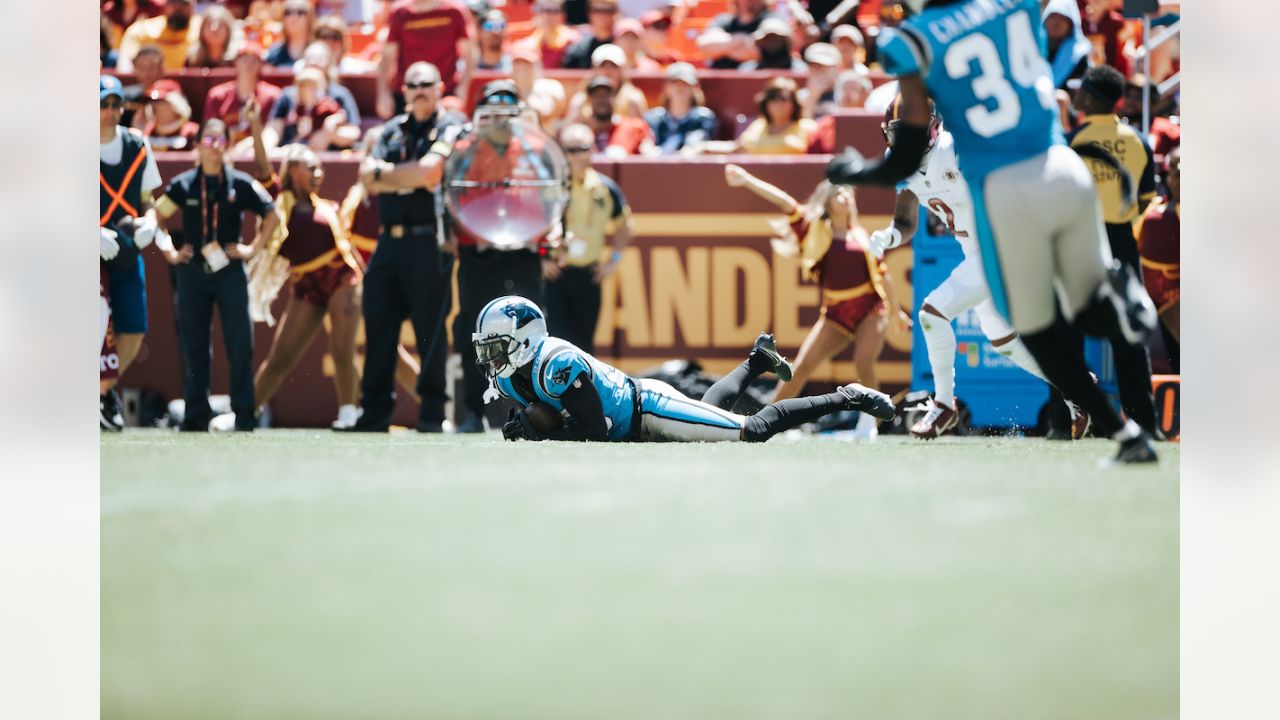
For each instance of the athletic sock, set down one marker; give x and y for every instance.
(940, 340)
(1063, 364)
(786, 414)
(726, 392)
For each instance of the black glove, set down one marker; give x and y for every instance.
(850, 168)
(512, 429)
(518, 427)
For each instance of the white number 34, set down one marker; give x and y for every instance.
(1027, 67)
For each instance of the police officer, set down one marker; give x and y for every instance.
(409, 274)
(210, 270)
(485, 271)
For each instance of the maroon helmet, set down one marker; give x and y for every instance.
(891, 121)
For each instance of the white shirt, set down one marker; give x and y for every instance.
(111, 153)
(941, 188)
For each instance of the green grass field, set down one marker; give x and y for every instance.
(303, 574)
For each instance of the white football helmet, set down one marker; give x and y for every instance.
(508, 333)
(916, 6)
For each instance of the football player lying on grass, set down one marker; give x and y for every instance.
(569, 395)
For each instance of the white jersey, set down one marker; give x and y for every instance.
(941, 188)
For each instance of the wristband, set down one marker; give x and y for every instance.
(616, 257)
(896, 236)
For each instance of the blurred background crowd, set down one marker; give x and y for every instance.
(817, 55)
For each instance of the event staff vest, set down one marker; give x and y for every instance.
(120, 186)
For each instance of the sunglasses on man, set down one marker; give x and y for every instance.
(577, 149)
(111, 104)
(329, 36)
(420, 85)
(493, 26)
(603, 9)
(295, 12)
(551, 9)
(216, 142)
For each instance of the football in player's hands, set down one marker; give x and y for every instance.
(544, 418)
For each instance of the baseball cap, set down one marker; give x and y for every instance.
(600, 81)
(824, 54)
(772, 26)
(498, 87)
(109, 85)
(848, 32)
(162, 87)
(684, 72)
(628, 25)
(608, 53)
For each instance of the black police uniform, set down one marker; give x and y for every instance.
(213, 210)
(408, 276)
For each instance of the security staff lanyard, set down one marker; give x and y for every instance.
(205, 225)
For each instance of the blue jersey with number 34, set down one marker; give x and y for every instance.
(983, 62)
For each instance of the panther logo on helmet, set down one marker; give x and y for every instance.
(523, 313)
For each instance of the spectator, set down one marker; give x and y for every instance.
(683, 122)
(600, 18)
(107, 55)
(1159, 236)
(551, 38)
(226, 101)
(1107, 33)
(543, 95)
(320, 57)
(773, 48)
(315, 119)
(439, 32)
(173, 33)
(823, 62)
(169, 125)
(610, 61)
(728, 41)
(853, 48)
(597, 211)
(629, 34)
(852, 89)
(127, 173)
(148, 67)
(1068, 48)
(332, 31)
(657, 36)
(491, 38)
(298, 26)
(213, 198)
(779, 130)
(616, 135)
(220, 38)
(120, 14)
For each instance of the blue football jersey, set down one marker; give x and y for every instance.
(557, 363)
(984, 64)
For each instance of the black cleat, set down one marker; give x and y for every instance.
(432, 427)
(766, 348)
(109, 418)
(1137, 449)
(863, 399)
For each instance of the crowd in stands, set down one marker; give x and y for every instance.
(823, 53)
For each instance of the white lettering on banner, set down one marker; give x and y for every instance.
(970, 16)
